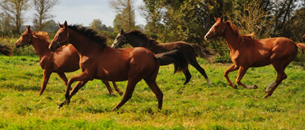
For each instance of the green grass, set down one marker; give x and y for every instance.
(196, 105)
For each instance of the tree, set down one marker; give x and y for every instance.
(152, 11)
(51, 26)
(42, 15)
(15, 9)
(125, 13)
(5, 23)
(96, 24)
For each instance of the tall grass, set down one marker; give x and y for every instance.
(196, 105)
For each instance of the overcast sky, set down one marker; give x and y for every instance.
(83, 12)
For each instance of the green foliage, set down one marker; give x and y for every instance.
(196, 105)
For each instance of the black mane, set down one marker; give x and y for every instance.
(143, 36)
(99, 39)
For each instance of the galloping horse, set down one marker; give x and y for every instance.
(138, 39)
(99, 61)
(62, 60)
(247, 52)
(6, 50)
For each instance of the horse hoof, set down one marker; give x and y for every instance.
(59, 106)
(255, 87)
(121, 93)
(234, 86)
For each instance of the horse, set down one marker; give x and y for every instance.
(6, 50)
(138, 39)
(246, 52)
(65, 59)
(99, 61)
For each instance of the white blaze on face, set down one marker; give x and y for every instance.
(209, 32)
(115, 40)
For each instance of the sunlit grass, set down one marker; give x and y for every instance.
(196, 105)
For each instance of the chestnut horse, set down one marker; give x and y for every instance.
(62, 60)
(6, 50)
(138, 39)
(99, 61)
(247, 52)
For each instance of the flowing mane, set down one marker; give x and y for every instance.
(41, 35)
(143, 36)
(241, 38)
(99, 39)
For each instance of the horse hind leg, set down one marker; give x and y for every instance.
(201, 70)
(187, 75)
(156, 90)
(280, 77)
(128, 93)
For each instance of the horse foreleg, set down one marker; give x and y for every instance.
(230, 69)
(46, 76)
(187, 75)
(117, 88)
(108, 87)
(81, 77)
(241, 73)
(63, 78)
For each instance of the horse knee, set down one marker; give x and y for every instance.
(238, 82)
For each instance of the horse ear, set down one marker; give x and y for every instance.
(65, 24)
(215, 18)
(122, 31)
(59, 25)
(28, 28)
(221, 18)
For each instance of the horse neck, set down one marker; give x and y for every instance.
(231, 39)
(41, 46)
(81, 43)
(136, 41)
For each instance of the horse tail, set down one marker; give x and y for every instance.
(202, 52)
(6, 50)
(175, 56)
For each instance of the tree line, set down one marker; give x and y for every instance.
(178, 20)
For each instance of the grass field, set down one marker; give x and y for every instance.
(196, 105)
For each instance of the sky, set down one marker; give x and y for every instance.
(84, 11)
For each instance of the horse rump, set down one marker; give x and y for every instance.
(6, 50)
(175, 56)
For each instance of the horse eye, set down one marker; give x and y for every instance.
(216, 27)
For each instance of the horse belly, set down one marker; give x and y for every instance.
(112, 74)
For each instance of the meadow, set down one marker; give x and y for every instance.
(196, 105)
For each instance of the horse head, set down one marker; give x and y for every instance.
(217, 29)
(120, 40)
(25, 38)
(61, 37)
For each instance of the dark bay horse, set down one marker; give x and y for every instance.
(6, 50)
(99, 61)
(247, 52)
(53, 61)
(138, 39)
